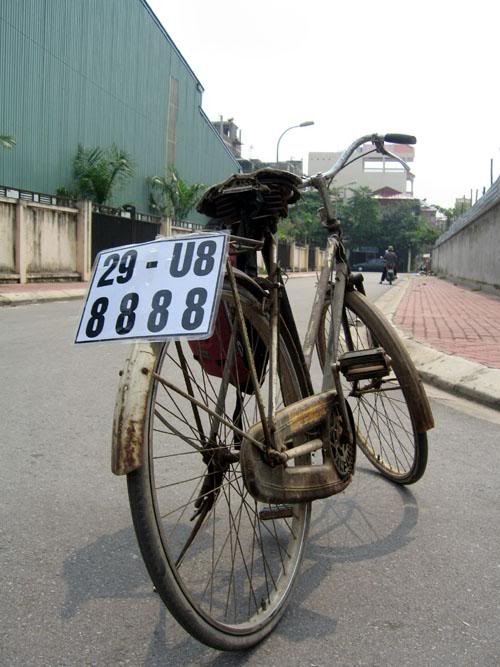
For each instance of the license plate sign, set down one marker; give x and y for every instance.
(168, 288)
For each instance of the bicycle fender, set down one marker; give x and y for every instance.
(129, 420)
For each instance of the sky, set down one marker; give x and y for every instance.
(428, 68)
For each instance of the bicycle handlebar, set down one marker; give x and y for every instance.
(400, 139)
(378, 141)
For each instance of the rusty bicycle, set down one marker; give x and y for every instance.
(226, 442)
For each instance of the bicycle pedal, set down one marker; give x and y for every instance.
(365, 364)
(281, 512)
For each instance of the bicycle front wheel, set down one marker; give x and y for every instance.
(223, 563)
(387, 411)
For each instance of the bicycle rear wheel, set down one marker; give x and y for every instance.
(223, 563)
(386, 411)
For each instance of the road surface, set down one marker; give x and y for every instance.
(392, 576)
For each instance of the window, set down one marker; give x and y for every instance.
(373, 165)
(173, 109)
(393, 165)
(380, 166)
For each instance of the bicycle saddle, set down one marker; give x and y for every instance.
(259, 194)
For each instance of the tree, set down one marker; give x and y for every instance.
(360, 219)
(303, 224)
(7, 141)
(171, 196)
(449, 213)
(425, 235)
(399, 222)
(99, 172)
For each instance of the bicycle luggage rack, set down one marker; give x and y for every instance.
(365, 364)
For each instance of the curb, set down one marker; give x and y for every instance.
(451, 373)
(20, 299)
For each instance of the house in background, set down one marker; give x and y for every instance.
(230, 135)
(383, 175)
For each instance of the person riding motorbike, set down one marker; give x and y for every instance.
(391, 262)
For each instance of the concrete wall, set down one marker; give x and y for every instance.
(7, 237)
(50, 240)
(470, 249)
(44, 242)
(299, 257)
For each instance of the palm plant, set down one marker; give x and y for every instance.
(171, 196)
(7, 141)
(99, 172)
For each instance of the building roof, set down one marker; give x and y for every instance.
(390, 194)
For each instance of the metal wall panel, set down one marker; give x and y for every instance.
(97, 72)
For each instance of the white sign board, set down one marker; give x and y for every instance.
(168, 288)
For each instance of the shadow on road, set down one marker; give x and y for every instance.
(110, 567)
(366, 522)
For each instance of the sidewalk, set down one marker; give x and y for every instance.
(452, 333)
(18, 295)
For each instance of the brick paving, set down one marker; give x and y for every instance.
(452, 319)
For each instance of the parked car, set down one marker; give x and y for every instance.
(374, 264)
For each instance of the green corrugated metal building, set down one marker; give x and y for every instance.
(99, 72)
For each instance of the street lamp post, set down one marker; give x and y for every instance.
(304, 124)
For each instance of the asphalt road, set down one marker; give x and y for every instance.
(392, 576)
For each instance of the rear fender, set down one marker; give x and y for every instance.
(129, 420)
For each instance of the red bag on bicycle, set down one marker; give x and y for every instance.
(211, 353)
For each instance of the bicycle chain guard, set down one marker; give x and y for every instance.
(303, 481)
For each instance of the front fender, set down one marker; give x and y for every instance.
(129, 420)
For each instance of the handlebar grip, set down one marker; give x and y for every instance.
(400, 139)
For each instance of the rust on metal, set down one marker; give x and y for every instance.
(301, 482)
(127, 451)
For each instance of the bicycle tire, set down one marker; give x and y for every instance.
(231, 586)
(386, 417)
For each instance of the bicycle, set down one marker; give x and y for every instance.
(219, 439)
